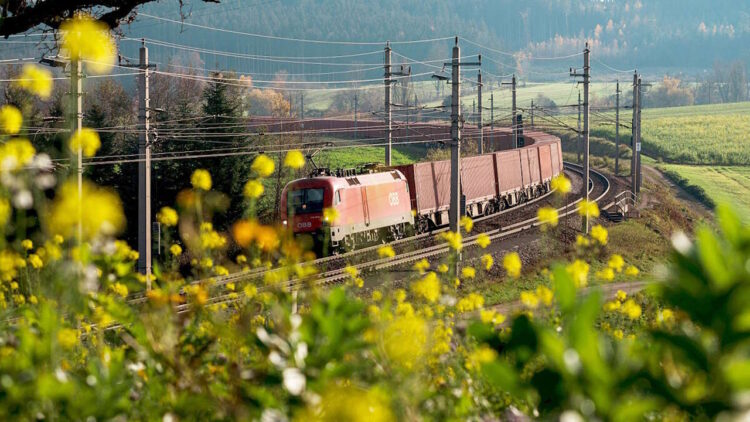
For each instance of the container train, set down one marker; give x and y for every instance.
(414, 198)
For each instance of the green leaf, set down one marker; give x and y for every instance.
(565, 289)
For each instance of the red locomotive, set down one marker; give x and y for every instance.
(415, 198)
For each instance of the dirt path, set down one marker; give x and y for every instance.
(653, 176)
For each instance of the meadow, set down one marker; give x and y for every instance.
(722, 184)
(707, 134)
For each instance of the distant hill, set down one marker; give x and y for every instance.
(664, 34)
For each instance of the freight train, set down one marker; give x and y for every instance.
(370, 208)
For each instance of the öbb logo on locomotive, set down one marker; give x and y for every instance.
(415, 198)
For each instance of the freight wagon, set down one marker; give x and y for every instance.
(389, 205)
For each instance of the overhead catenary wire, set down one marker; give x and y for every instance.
(291, 39)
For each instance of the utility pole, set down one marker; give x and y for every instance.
(302, 107)
(634, 143)
(578, 139)
(144, 170)
(586, 77)
(513, 124)
(492, 113)
(532, 114)
(387, 82)
(76, 93)
(355, 114)
(639, 146)
(455, 211)
(408, 112)
(617, 128)
(480, 123)
(455, 203)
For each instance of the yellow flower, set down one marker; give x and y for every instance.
(250, 291)
(545, 295)
(167, 216)
(101, 211)
(588, 208)
(579, 272)
(88, 39)
(353, 272)
(330, 215)
(404, 341)
(512, 264)
(263, 166)
(482, 354)
(582, 240)
(35, 261)
(87, 140)
(119, 289)
(631, 271)
(467, 223)
(631, 309)
(483, 240)
(666, 316)
(599, 234)
(621, 296)
(560, 184)
(67, 338)
(345, 402)
(468, 272)
(10, 119)
(175, 249)
(422, 266)
(386, 251)
(294, 160)
(547, 216)
(442, 268)
(612, 306)
(241, 259)
(27, 244)
(529, 299)
(207, 262)
(487, 261)
(221, 271)
(617, 334)
(427, 288)
(454, 239)
(15, 154)
(58, 239)
(36, 80)
(253, 189)
(607, 274)
(201, 179)
(377, 295)
(5, 211)
(469, 303)
(616, 262)
(489, 316)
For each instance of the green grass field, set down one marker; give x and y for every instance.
(721, 183)
(352, 157)
(716, 134)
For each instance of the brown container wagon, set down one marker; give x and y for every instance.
(489, 182)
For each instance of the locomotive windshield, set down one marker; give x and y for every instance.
(305, 201)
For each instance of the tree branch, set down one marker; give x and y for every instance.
(19, 16)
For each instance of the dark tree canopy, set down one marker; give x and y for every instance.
(19, 16)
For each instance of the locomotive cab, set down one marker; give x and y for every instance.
(302, 208)
(369, 208)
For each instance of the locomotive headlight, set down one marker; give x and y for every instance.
(325, 218)
(283, 222)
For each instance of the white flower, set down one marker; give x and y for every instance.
(294, 381)
(23, 199)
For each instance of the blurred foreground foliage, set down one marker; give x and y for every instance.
(82, 339)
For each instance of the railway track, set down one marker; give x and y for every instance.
(365, 255)
(335, 276)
